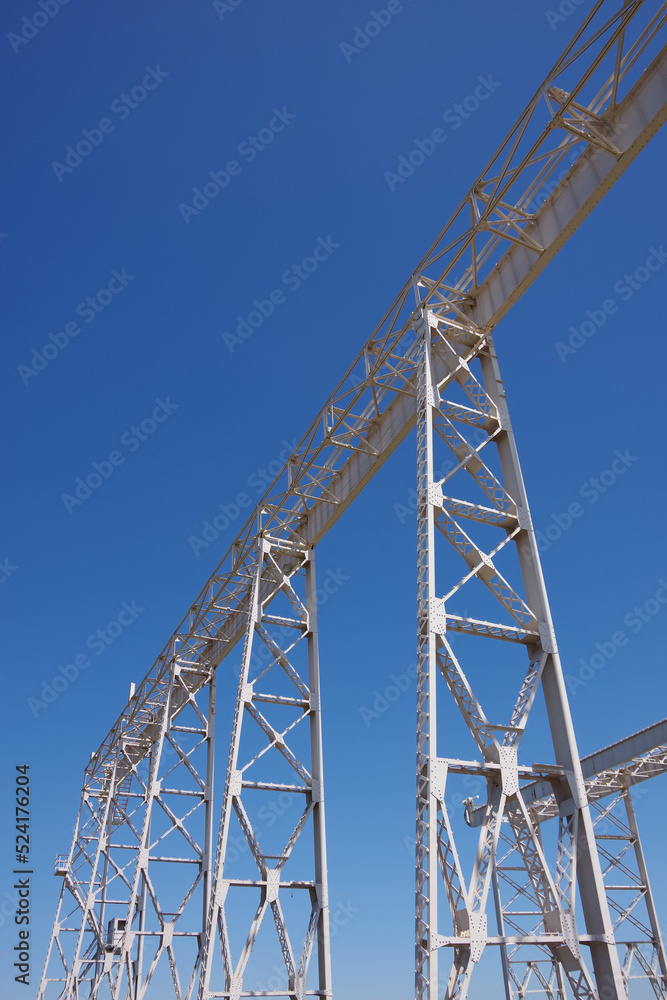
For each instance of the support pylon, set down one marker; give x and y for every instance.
(462, 405)
(271, 753)
(138, 870)
(148, 899)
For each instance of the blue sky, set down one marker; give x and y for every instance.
(157, 349)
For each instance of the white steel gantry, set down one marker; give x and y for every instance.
(152, 904)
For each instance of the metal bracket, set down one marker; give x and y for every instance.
(547, 637)
(236, 783)
(508, 770)
(437, 616)
(272, 884)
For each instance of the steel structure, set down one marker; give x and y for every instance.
(148, 886)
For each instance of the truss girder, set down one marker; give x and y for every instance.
(628, 762)
(609, 774)
(374, 406)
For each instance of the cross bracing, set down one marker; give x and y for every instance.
(327, 470)
(431, 362)
(609, 773)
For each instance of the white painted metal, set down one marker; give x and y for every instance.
(285, 632)
(479, 405)
(595, 111)
(138, 871)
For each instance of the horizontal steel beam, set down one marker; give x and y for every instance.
(608, 771)
(628, 762)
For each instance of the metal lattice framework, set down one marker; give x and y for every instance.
(609, 775)
(146, 887)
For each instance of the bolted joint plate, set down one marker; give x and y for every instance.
(221, 891)
(433, 397)
(322, 894)
(577, 788)
(562, 922)
(438, 778)
(570, 933)
(503, 417)
(297, 986)
(235, 987)
(422, 322)
(524, 518)
(437, 617)
(547, 637)
(246, 694)
(471, 928)
(509, 771)
(478, 935)
(315, 792)
(435, 494)
(272, 884)
(236, 783)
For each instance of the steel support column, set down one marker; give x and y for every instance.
(589, 876)
(466, 410)
(426, 860)
(278, 680)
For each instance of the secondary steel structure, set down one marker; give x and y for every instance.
(147, 885)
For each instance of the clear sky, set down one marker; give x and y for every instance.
(125, 297)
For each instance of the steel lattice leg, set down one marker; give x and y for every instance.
(461, 404)
(261, 755)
